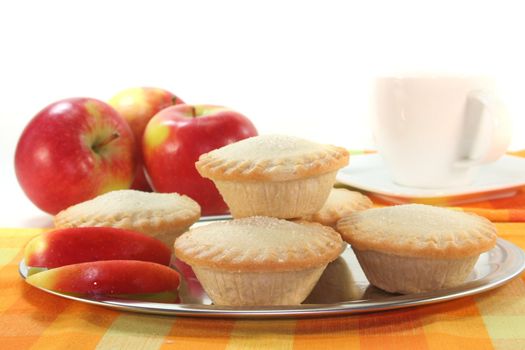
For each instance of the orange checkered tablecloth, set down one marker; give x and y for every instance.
(32, 319)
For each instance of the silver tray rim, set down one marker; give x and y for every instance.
(512, 264)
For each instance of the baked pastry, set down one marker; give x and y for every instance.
(336, 285)
(416, 248)
(258, 260)
(273, 175)
(160, 215)
(341, 202)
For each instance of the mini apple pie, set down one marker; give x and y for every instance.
(161, 215)
(341, 202)
(416, 248)
(273, 175)
(259, 260)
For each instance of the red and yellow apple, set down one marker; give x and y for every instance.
(72, 151)
(69, 246)
(113, 278)
(175, 138)
(137, 106)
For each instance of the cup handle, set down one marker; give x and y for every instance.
(486, 130)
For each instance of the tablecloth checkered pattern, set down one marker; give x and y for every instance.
(32, 319)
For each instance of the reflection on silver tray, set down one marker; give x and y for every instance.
(342, 289)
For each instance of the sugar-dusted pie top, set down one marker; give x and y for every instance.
(143, 211)
(271, 157)
(259, 244)
(418, 230)
(340, 202)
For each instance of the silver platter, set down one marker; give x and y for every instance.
(343, 289)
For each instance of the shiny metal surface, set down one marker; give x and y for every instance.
(343, 289)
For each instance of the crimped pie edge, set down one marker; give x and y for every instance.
(481, 238)
(144, 220)
(330, 213)
(196, 253)
(328, 158)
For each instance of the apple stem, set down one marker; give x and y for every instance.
(98, 145)
(193, 112)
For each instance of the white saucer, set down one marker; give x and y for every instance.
(502, 178)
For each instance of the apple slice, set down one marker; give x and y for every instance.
(83, 244)
(113, 278)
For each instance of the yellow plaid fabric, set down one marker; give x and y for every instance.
(32, 319)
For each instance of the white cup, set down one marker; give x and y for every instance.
(434, 131)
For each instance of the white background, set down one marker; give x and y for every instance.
(293, 67)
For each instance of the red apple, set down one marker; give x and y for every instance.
(137, 106)
(75, 245)
(176, 137)
(114, 278)
(72, 151)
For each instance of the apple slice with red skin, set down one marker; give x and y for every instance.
(111, 278)
(83, 244)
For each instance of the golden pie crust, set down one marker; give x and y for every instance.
(418, 230)
(259, 244)
(259, 260)
(404, 275)
(271, 158)
(256, 288)
(160, 215)
(273, 175)
(341, 202)
(416, 248)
